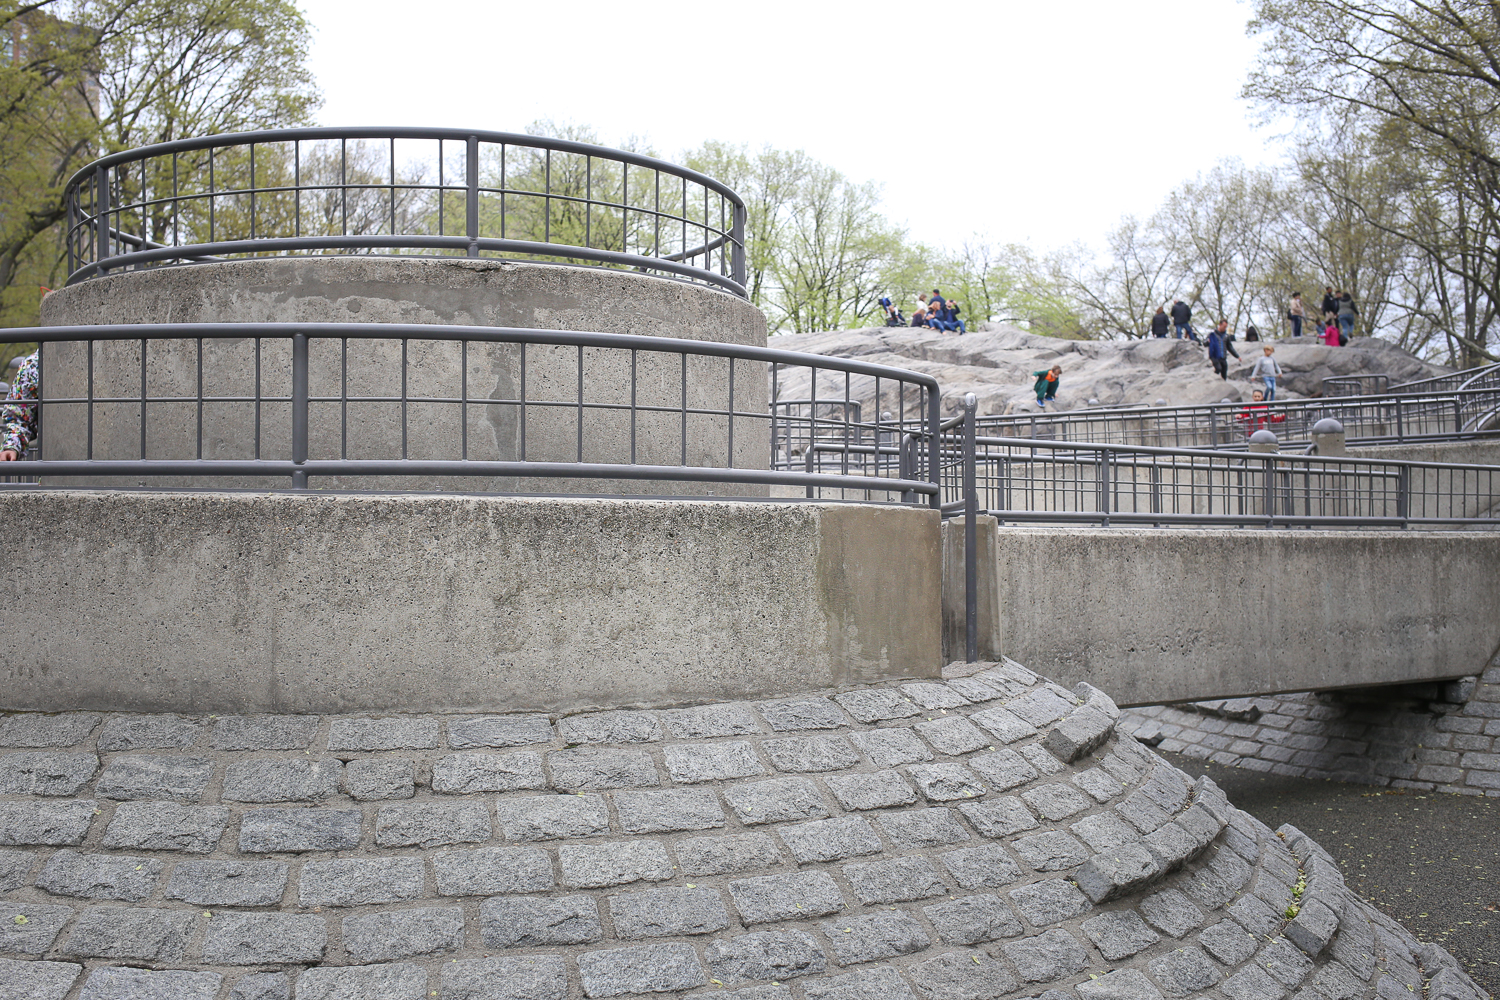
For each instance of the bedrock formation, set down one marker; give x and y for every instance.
(990, 836)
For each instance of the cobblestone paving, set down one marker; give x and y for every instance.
(1443, 737)
(989, 836)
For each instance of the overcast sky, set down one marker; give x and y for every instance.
(1017, 120)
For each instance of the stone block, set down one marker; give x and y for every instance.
(377, 780)
(877, 705)
(490, 871)
(1119, 870)
(533, 977)
(264, 732)
(267, 831)
(1049, 902)
(31, 928)
(1005, 726)
(1252, 983)
(1122, 984)
(432, 824)
(131, 932)
(981, 867)
(361, 881)
(934, 697)
(262, 986)
(166, 826)
(964, 975)
(38, 980)
(397, 934)
(100, 876)
(1000, 817)
(923, 828)
(891, 747)
(693, 763)
(177, 779)
(591, 768)
(794, 896)
(1052, 851)
(1255, 915)
(1288, 966)
(1171, 845)
(776, 801)
(973, 919)
(710, 721)
(794, 714)
(1184, 972)
(946, 782)
(1141, 813)
(116, 983)
(1099, 783)
(1171, 912)
(727, 855)
(880, 983)
(1080, 733)
(398, 733)
(548, 817)
(1003, 769)
(667, 913)
(538, 921)
(805, 754)
(877, 790)
(46, 773)
(45, 824)
(228, 883)
(1118, 934)
(830, 839)
(610, 727)
(149, 732)
(1228, 942)
(1046, 957)
(15, 868)
(873, 936)
(262, 938)
(281, 780)
(595, 866)
(764, 955)
(475, 731)
(1056, 801)
(953, 735)
(1104, 831)
(398, 981)
(466, 773)
(898, 880)
(28, 730)
(668, 811)
(642, 968)
(1040, 708)
(974, 690)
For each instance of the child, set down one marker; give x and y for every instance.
(1258, 414)
(1331, 334)
(1267, 368)
(1046, 385)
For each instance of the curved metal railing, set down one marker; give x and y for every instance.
(407, 191)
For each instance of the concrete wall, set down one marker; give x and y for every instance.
(196, 602)
(1156, 616)
(955, 616)
(427, 291)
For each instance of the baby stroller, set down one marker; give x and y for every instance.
(893, 315)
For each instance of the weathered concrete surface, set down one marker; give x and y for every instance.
(1161, 616)
(318, 603)
(447, 291)
(986, 598)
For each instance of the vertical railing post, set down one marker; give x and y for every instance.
(1403, 494)
(1102, 472)
(471, 185)
(101, 217)
(971, 511)
(934, 446)
(299, 408)
(807, 465)
(1400, 431)
(906, 460)
(1458, 414)
(737, 248)
(1269, 491)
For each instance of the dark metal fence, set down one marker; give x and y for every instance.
(410, 191)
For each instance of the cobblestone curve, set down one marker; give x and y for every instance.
(990, 836)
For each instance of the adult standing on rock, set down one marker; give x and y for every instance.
(1347, 312)
(1182, 320)
(1330, 304)
(1160, 323)
(1295, 313)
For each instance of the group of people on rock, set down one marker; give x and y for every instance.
(935, 313)
(1338, 316)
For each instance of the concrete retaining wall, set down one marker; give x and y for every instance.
(306, 603)
(1162, 616)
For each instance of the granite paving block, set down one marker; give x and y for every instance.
(281, 780)
(934, 696)
(1052, 851)
(360, 881)
(963, 975)
(830, 839)
(531, 977)
(1286, 964)
(166, 826)
(364, 982)
(1099, 783)
(691, 764)
(877, 705)
(877, 790)
(794, 714)
(923, 828)
(15, 867)
(100, 876)
(265, 831)
(1252, 983)
(1122, 984)
(149, 732)
(668, 811)
(549, 817)
(537, 921)
(880, 983)
(1171, 844)
(1103, 831)
(264, 732)
(1119, 870)
(46, 773)
(1049, 902)
(727, 854)
(998, 817)
(793, 896)
(378, 780)
(891, 747)
(138, 932)
(1171, 912)
(986, 867)
(808, 754)
(228, 883)
(1040, 708)
(262, 986)
(1056, 801)
(31, 928)
(1003, 725)
(592, 768)
(898, 880)
(256, 938)
(466, 773)
(953, 735)
(1184, 972)
(1046, 957)
(1118, 934)
(472, 732)
(872, 936)
(490, 871)
(973, 919)
(667, 913)
(432, 824)
(45, 824)
(1141, 813)
(1040, 758)
(29, 730)
(610, 727)
(710, 721)
(177, 779)
(975, 690)
(39, 980)
(117, 983)
(594, 866)
(764, 956)
(1078, 734)
(946, 782)
(1255, 915)
(776, 800)
(398, 733)
(642, 968)
(1004, 769)
(397, 934)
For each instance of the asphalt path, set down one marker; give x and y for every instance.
(1428, 859)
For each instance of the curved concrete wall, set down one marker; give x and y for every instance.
(397, 290)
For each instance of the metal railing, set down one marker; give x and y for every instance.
(409, 191)
(1469, 378)
(1356, 385)
(515, 408)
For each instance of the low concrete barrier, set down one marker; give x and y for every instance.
(264, 602)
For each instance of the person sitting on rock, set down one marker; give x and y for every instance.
(951, 317)
(1046, 385)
